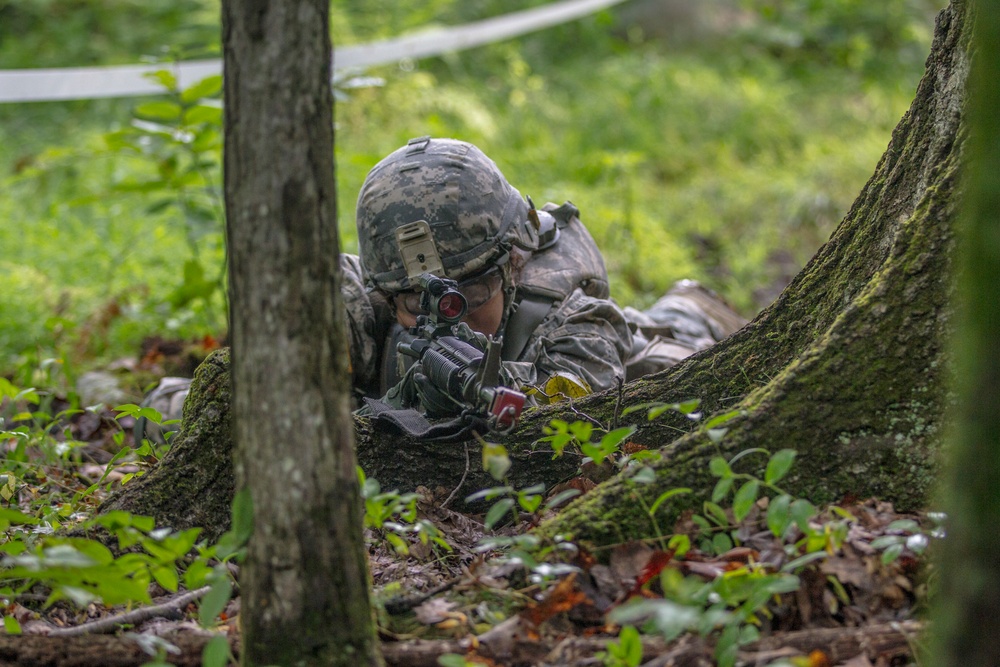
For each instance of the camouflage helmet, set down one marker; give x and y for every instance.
(438, 205)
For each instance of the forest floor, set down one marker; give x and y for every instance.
(494, 597)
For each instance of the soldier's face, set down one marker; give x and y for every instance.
(484, 319)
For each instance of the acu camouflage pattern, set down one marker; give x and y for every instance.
(574, 262)
(584, 334)
(474, 214)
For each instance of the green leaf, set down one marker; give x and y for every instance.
(398, 543)
(242, 525)
(561, 497)
(665, 496)
(904, 525)
(159, 110)
(166, 576)
(216, 599)
(785, 583)
(631, 644)
(779, 465)
(198, 574)
(529, 502)
(452, 660)
(702, 523)
(202, 114)
(887, 541)
(680, 543)
(612, 439)
(802, 561)
(495, 460)
(892, 553)
(216, 652)
(668, 618)
(718, 467)
(207, 87)
(689, 407)
(722, 543)
(716, 514)
(722, 488)
(778, 515)
(164, 77)
(748, 634)
(489, 494)
(15, 517)
(727, 646)
(497, 512)
(718, 420)
(802, 511)
(644, 475)
(745, 498)
(11, 626)
(717, 434)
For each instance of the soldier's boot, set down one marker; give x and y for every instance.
(687, 319)
(167, 399)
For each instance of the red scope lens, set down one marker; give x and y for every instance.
(452, 306)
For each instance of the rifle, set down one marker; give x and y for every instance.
(452, 376)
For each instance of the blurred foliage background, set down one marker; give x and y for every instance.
(720, 140)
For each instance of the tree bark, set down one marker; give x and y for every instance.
(847, 366)
(967, 609)
(305, 583)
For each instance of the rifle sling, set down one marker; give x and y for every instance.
(531, 311)
(415, 425)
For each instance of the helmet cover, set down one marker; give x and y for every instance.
(474, 215)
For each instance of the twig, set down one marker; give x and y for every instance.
(618, 402)
(461, 481)
(134, 617)
(400, 604)
(25, 597)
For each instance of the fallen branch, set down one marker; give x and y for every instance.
(840, 644)
(135, 617)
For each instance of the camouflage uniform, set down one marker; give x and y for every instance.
(442, 206)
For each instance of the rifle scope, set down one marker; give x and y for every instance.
(442, 299)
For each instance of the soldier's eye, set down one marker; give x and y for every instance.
(482, 288)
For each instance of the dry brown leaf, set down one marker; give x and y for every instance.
(561, 598)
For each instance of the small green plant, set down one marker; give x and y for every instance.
(394, 516)
(83, 570)
(626, 652)
(908, 535)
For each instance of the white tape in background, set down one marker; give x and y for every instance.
(80, 83)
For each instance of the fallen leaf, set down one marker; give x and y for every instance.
(561, 598)
(434, 611)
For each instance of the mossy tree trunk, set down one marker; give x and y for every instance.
(847, 366)
(967, 615)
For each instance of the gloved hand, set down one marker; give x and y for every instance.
(434, 402)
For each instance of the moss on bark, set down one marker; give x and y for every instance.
(193, 484)
(848, 365)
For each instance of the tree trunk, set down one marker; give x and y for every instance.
(967, 621)
(305, 583)
(847, 366)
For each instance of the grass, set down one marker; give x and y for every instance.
(729, 158)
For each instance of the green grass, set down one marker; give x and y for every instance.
(729, 158)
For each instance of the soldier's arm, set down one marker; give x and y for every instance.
(585, 336)
(367, 328)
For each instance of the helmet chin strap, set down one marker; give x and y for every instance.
(509, 291)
